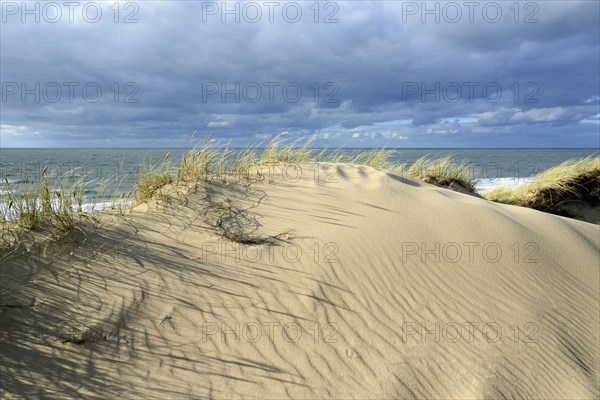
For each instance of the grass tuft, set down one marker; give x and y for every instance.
(376, 158)
(281, 150)
(570, 182)
(195, 163)
(244, 164)
(443, 172)
(52, 205)
(152, 179)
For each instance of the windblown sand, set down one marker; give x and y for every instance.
(351, 283)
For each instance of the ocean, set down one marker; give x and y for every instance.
(110, 172)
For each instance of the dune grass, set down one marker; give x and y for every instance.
(195, 163)
(52, 206)
(152, 178)
(245, 163)
(211, 161)
(570, 182)
(280, 151)
(443, 172)
(376, 158)
(50, 203)
(215, 162)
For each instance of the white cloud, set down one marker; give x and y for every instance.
(217, 124)
(13, 130)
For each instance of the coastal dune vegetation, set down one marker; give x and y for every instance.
(556, 190)
(53, 204)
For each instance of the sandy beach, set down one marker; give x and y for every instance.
(314, 283)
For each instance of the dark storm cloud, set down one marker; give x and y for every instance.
(377, 76)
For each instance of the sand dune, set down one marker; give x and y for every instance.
(355, 284)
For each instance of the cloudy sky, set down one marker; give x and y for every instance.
(351, 74)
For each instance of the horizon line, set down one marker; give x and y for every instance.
(315, 148)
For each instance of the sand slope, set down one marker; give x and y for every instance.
(375, 287)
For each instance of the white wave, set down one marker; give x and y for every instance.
(103, 205)
(85, 207)
(484, 185)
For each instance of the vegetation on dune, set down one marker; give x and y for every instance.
(443, 172)
(151, 179)
(51, 206)
(195, 163)
(573, 181)
(245, 163)
(49, 203)
(278, 151)
(55, 204)
(376, 158)
(211, 161)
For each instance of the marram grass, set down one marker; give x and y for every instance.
(50, 202)
(210, 161)
(279, 150)
(443, 172)
(151, 179)
(52, 205)
(376, 158)
(570, 182)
